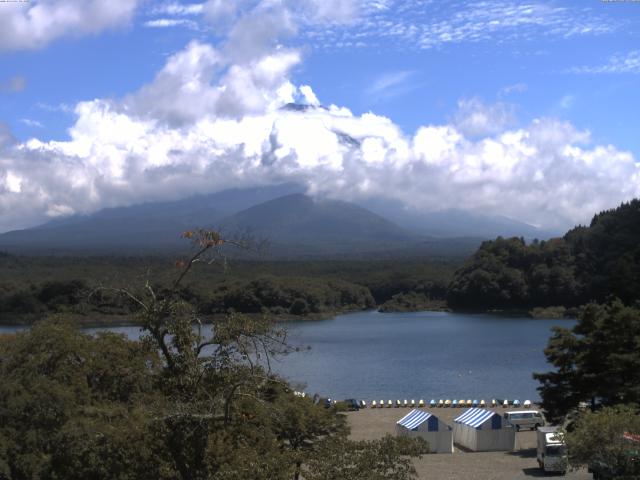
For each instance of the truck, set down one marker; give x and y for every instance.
(552, 451)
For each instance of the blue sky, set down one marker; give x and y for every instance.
(568, 69)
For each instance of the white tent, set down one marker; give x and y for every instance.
(482, 430)
(419, 423)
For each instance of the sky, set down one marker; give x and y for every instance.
(527, 109)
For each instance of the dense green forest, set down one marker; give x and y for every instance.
(87, 286)
(587, 264)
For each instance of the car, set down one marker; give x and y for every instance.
(524, 419)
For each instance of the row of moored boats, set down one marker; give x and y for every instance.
(445, 403)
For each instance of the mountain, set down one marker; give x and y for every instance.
(139, 228)
(318, 226)
(294, 224)
(456, 223)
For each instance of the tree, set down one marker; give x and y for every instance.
(597, 361)
(186, 401)
(384, 459)
(598, 440)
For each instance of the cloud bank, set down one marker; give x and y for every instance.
(217, 117)
(34, 24)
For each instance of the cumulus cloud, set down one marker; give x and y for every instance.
(217, 117)
(34, 24)
(475, 118)
(546, 173)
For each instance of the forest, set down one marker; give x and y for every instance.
(86, 287)
(589, 263)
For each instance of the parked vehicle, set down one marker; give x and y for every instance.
(524, 419)
(552, 451)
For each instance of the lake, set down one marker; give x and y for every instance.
(372, 355)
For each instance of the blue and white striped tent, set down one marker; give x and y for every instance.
(421, 423)
(482, 430)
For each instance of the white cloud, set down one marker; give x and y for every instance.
(31, 123)
(475, 118)
(178, 9)
(427, 24)
(169, 22)
(619, 63)
(157, 144)
(217, 117)
(34, 24)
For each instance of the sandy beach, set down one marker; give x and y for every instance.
(368, 424)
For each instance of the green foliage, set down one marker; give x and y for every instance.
(34, 286)
(184, 402)
(597, 361)
(384, 459)
(597, 441)
(587, 264)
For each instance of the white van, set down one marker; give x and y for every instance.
(524, 419)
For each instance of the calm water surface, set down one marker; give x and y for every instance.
(371, 355)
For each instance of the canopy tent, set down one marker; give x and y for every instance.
(482, 430)
(419, 423)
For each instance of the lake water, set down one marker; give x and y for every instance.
(371, 355)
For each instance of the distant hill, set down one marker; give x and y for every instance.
(322, 226)
(296, 226)
(147, 227)
(456, 223)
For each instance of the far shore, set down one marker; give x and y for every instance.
(98, 320)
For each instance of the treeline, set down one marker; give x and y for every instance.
(587, 264)
(31, 287)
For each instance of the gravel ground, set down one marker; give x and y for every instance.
(370, 424)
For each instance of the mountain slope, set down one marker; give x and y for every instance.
(322, 225)
(138, 228)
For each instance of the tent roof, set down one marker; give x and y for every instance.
(474, 417)
(414, 418)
